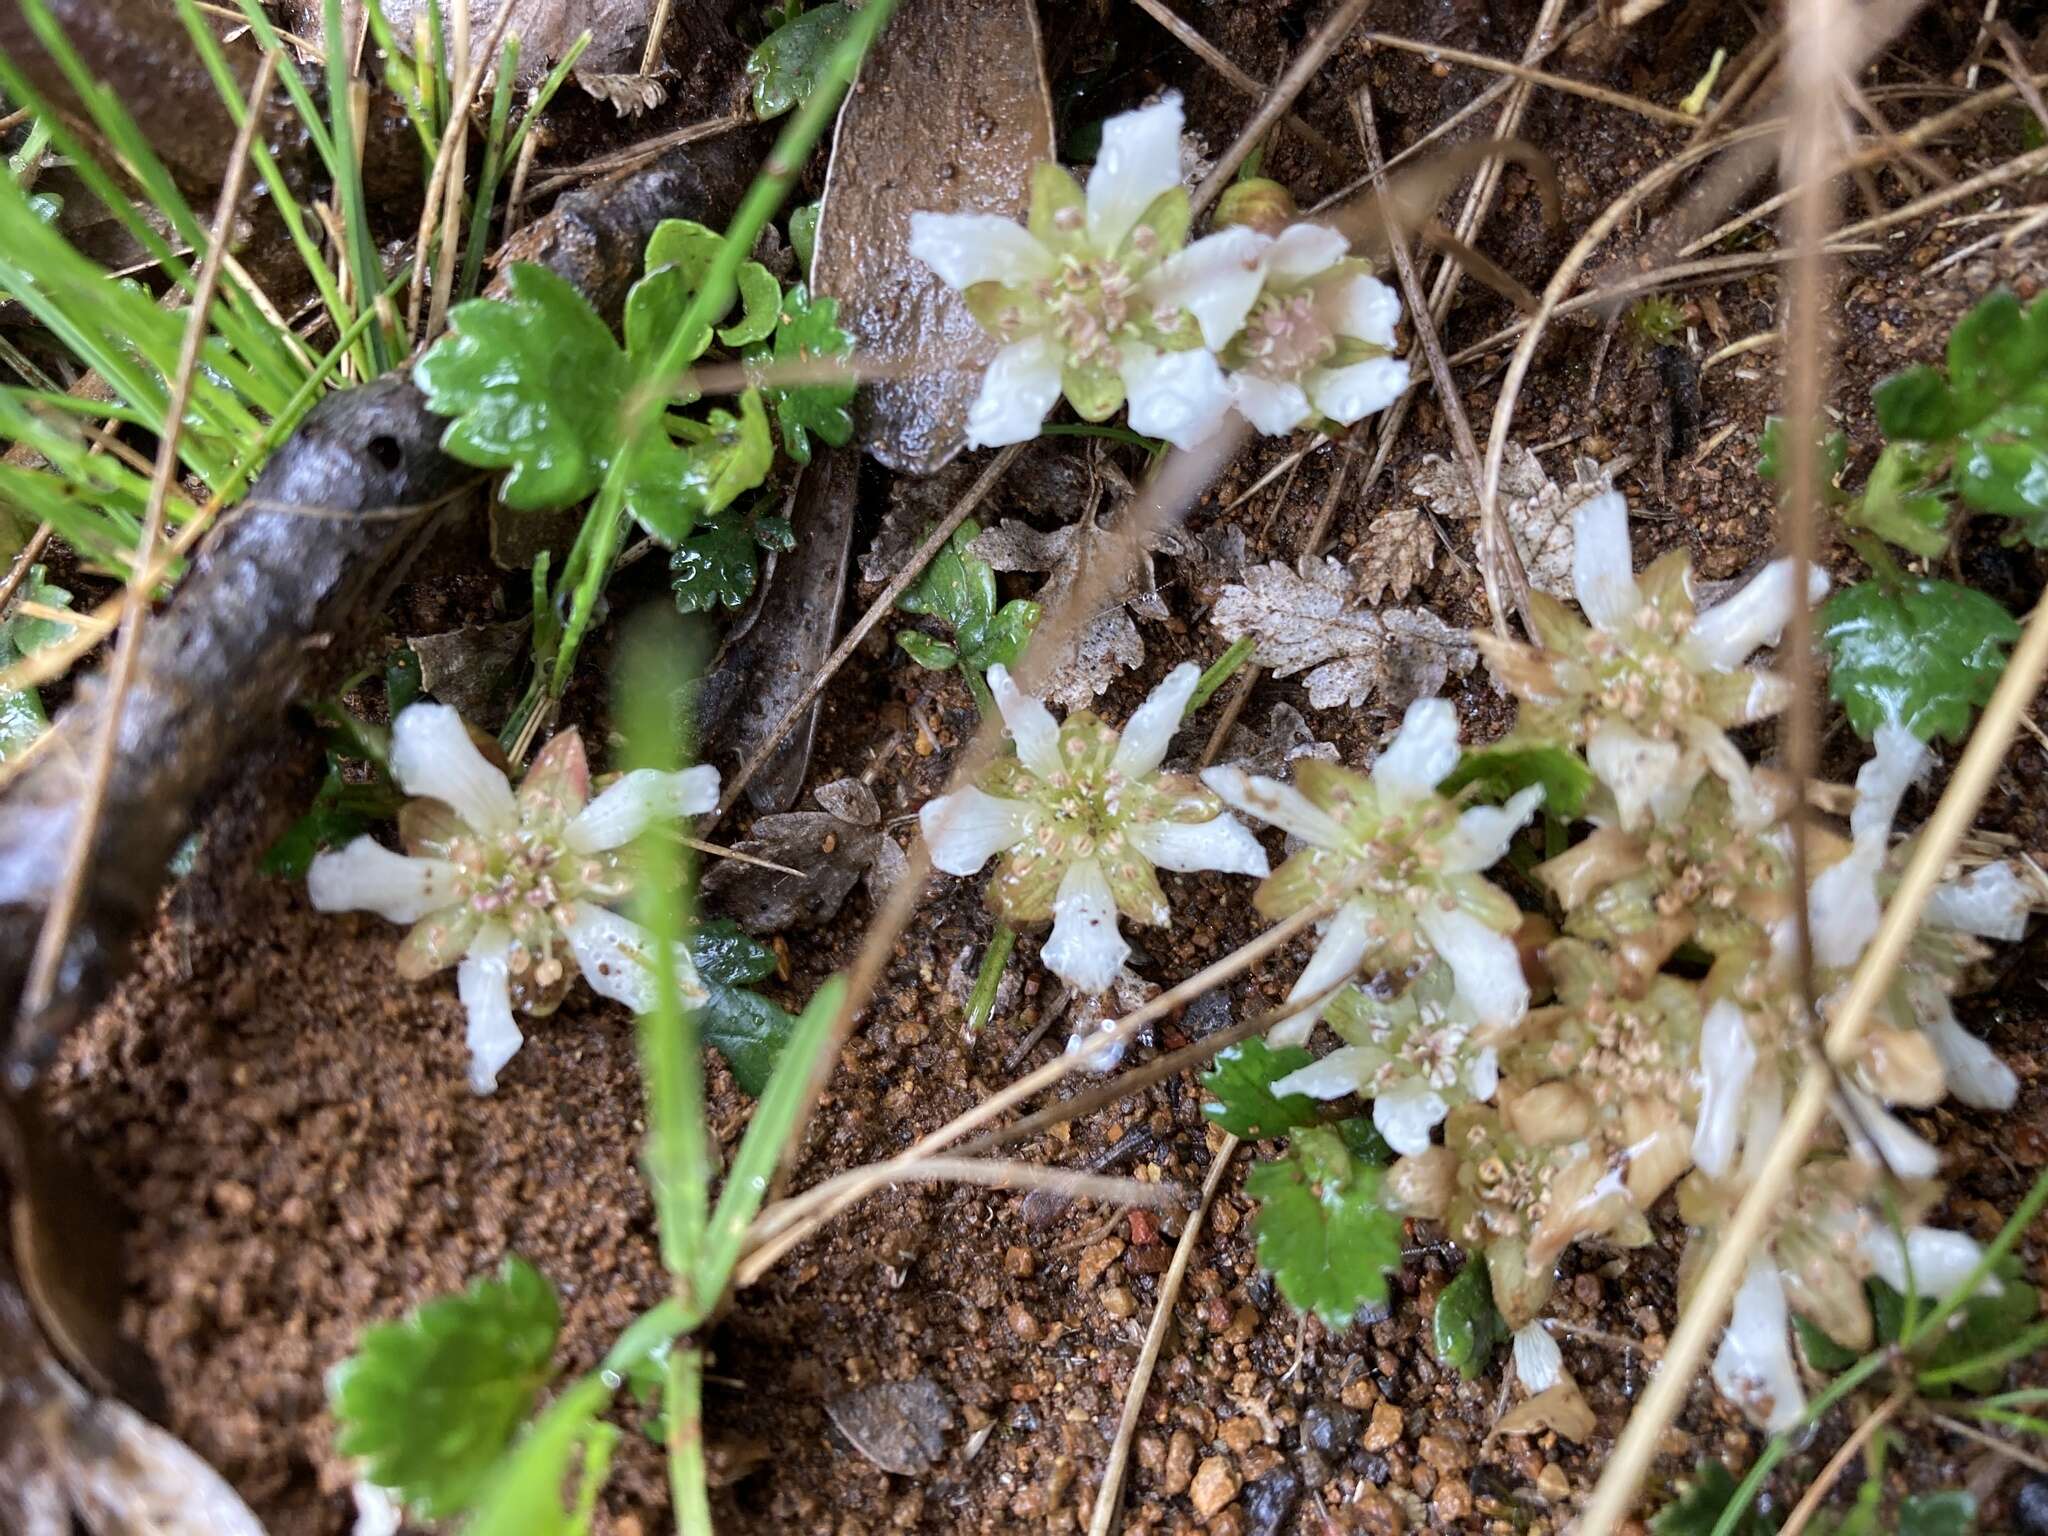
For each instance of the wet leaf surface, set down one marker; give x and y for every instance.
(900, 1426)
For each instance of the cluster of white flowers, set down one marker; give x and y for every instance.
(495, 881)
(1101, 298)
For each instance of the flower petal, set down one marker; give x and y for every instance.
(1754, 1366)
(1368, 309)
(1603, 564)
(1085, 950)
(1974, 1073)
(1029, 722)
(1354, 392)
(1421, 755)
(1406, 1115)
(1343, 946)
(1216, 280)
(484, 986)
(1180, 396)
(964, 830)
(1991, 902)
(432, 755)
(1302, 250)
(1277, 804)
(1538, 1361)
(1483, 832)
(368, 877)
(641, 798)
(1842, 909)
(1140, 158)
(1022, 382)
(1345, 1070)
(1724, 636)
(1897, 1145)
(1640, 772)
(616, 956)
(1881, 783)
(1939, 1260)
(1223, 843)
(1487, 964)
(1727, 1059)
(1150, 731)
(969, 248)
(1273, 406)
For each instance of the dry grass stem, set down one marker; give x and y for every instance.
(18, 572)
(633, 156)
(55, 935)
(1990, 1442)
(1221, 62)
(1109, 1494)
(1300, 71)
(1531, 76)
(1816, 1494)
(883, 605)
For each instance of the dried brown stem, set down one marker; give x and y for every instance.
(1810, 1502)
(633, 156)
(1531, 76)
(1221, 62)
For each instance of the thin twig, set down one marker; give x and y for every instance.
(883, 605)
(1990, 1442)
(1109, 1495)
(55, 934)
(1283, 95)
(1816, 1495)
(1500, 563)
(1523, 72)
(719, 851)
(1222, 63)
(18, 573)
(633, 156)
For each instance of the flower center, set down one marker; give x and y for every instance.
(1284, 338)
(1093, 306)
(1641, 677)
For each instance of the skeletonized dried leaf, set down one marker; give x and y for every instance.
(1538, 510)
(900, 1426)
(1307, 618)
(834, 847)
(1108, 642)
(1400, 549)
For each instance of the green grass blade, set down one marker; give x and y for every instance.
(544, 95)
(364, 268)
(487, 176)
(774, 1126)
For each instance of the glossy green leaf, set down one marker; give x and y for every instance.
(1698, 1510)
(803, 235)
(1240, 1089)
(1467, 1327)
(430, 1401)
(1897, 504)
(1914, 404)
(1322, 1229)
(809, 330)
(1997, 353)
(535, 385)
(22, 718)
(784, 69)
(1925, 653)
(1948, 1513)
(1498, 772)
(760, 307)
(747, 1029)
(525, 1492)
(927, 652)
(2002, 466)
(959, 590)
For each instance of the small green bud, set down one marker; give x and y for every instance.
(1256, 203)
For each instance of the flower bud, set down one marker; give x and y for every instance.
(1256, 203)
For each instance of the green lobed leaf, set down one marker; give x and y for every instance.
(524, 1493)
(1997, 353)
(1240, 1086)
(2002, 466)
(760, 307)
(809, 330)
(927, 652)
(1950, 1512)
(1498, 772)
(1897, 503)
(1979, 1327)
(785, 68)
(22, 718)
(1822, 1352)
(1321, 1228)
(803, 235)
(431, 1400)
(673, 485)
(1914, 404)
(1698, 1510)
(1925, 653)
(536, 387)
(1467, 1327)
(747, 1029)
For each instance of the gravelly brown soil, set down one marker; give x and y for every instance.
(287, 1122)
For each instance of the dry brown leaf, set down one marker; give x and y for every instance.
(900, 1426)
(1309, 618)
(1562, 1408)
(836, 848)
(1400, 549)
(1538, 510)
(1108, 642)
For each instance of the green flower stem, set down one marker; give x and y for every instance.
(690, 1487)
(605, 524)
(982, 1001)
(1220, 672)
(976, 685)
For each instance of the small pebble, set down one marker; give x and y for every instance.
(1095, 1258)
(1453, 1501)
(1180, 1464)
(1018, 1263)
(1328, 1430)
(1118, 1301)
(1377, 1515)
(1360, 1393)
(1215, 1485)
(1384, 1433)
(2030, 1508)
(1269, 1500)
(1023, 1324)
(1244, 1322)
(1554, 1487)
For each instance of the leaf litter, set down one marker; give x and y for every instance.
(837, 848)
(1537, 509)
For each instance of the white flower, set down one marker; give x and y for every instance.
(1084, 817)
(1650, 686)
(1538, 1360)
(1101, 298)
(1320, 338)
(1754, 1365)
(499, 881)
(1403, 861)
(1416, 1057)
